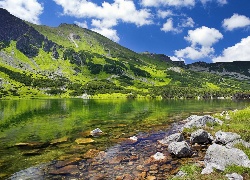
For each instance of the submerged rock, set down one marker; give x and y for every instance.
(226, 137)
(177, 137)
(219, 157)
(180, 149)
(201, 121)
(84, 140)
(201, 136)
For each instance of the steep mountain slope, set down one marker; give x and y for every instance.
(69, 61)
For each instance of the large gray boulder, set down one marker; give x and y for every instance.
(201, 121)
(226, 137)
(177, 137)
(219, 157)
(201, 136)
(180, 149)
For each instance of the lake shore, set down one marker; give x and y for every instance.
(130, 159)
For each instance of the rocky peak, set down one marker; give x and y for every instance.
(28, 40)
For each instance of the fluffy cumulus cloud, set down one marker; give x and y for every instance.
(238, 52)
(201, 40)
(184, 23)
(120, 10)
(164, 14)
(236, 21)
(28, 10)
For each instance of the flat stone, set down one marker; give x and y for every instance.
(70, 169)
(177, 137)
(84, 140)
(58, 141)
(91, 153)
(32, 144)
(67, 162)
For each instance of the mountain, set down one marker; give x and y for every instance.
(69, 61)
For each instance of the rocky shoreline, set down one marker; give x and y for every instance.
(151, 156)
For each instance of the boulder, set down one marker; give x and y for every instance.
(177, 137)
(180, 149)
(201, 121)
(218, 157)
(201, 136)
(226, 137)
(234, 176)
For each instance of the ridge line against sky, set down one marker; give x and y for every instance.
(188, 30)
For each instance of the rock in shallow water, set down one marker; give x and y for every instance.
(177, 137)
(234, 176)
(201, 136)
(180, 149)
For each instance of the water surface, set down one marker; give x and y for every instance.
(44, 122)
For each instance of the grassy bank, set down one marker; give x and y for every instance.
(237, 122)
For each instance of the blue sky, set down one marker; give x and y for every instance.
(189, 30)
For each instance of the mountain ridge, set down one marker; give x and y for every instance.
(69, 61)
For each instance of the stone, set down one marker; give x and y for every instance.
(133, 138)
(180, 174)
(151, 178)
(91, 153)
(96, 132)
(70, 169)
(200, 136)
(84, 140)
(158, 158)
(32, 145)
(226, 137)
(177, 137)
(219, 157)
(201, 121)
(234, 176)
(180, 149)
(58, 141)
(67, 162)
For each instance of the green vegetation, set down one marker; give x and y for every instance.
(71, 61)
(239, 123)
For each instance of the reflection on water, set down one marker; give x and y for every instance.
(50, 127)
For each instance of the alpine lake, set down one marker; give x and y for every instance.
(38, 131)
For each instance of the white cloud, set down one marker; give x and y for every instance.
(220, 2)
(81, 24)
(164, 14)
(238, 52)
(194, 53)
(201, 40)
(104, 27)
(236, 21)
(28, 10)
(174, 58)
(189, 22)
(107, 32)
(176, 3)
(203, 36)
(119, 10)
(168, 26)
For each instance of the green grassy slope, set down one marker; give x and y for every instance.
(69, 61)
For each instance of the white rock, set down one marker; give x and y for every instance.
(201, 121)
(219, 157)
(159, 156)
(96, 132)
(177, 137)
(133, 138)
(234, 176)
(226, 137)
(180, 149)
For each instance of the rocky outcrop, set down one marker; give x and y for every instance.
(218, 157)
(201, 121)
(180, 149)
(28, 40)
(177, 137)
(201, 136)
(226, 137)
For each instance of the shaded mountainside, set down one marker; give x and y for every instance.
(69, 61)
